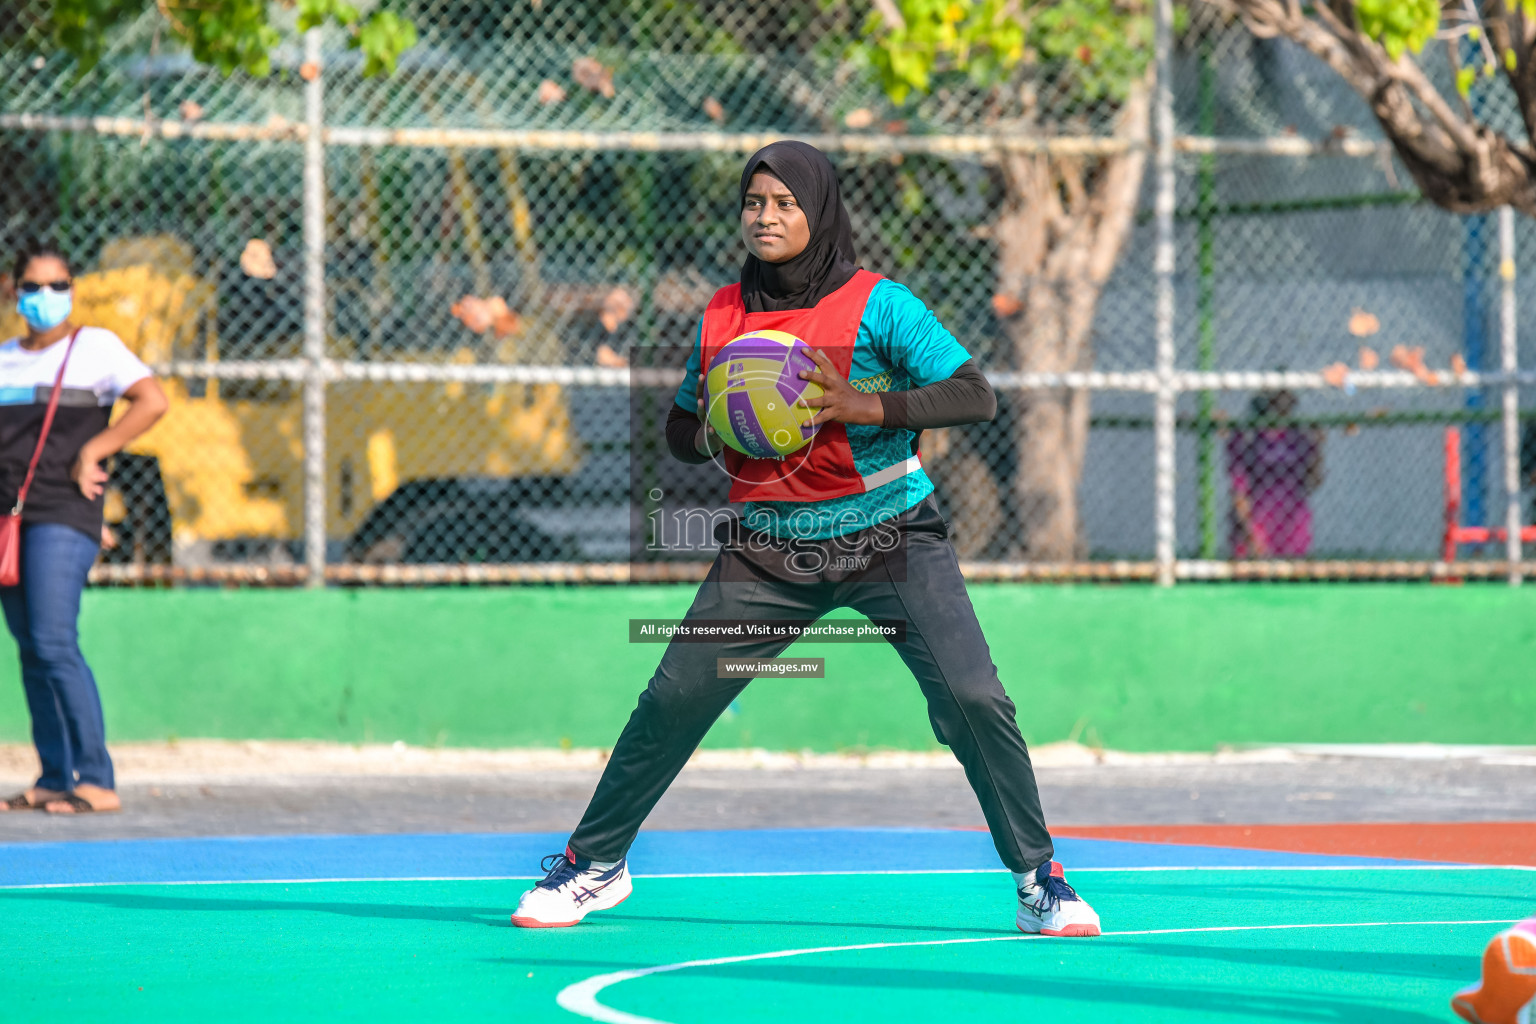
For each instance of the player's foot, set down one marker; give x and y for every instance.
(1049, 906)
(1507, 992)
(572, 890)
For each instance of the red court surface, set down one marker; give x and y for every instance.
(1481, 842)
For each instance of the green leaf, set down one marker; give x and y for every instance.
(1102, 44)
(226, 34)
(1399, 25)
(313, 13)
(1464, 79)
(382, 38)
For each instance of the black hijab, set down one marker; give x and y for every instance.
(828, 261)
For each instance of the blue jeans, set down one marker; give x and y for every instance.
(42, 612)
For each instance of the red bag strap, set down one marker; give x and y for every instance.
(42, 438)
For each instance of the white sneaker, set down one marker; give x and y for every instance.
(1052, 907)
(571, 891)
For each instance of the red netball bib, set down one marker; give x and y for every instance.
(824, 468)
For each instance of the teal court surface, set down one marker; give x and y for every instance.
(800, 926)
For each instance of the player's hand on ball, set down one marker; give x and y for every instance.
(840, 402)
(708, 441)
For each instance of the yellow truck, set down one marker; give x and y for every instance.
(231, 456)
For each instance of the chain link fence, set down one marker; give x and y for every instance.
(419, 329)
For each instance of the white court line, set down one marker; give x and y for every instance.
(1428, 866)
(581, 998)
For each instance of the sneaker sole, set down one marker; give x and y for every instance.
(1073, 931)
(533, 922)
(1082, 930)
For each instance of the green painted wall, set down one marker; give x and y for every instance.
(1132, 667)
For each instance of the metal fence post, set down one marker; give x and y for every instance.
(1509, 363)
(314, 314)
(1163, 266)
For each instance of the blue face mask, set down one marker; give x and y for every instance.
(45, 308)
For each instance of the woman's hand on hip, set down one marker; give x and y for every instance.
(840, 401)
(88, 474)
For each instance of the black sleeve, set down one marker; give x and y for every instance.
(682, 435)
(963, 397)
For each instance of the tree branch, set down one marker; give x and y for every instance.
(1460, 164)
(1522, 78)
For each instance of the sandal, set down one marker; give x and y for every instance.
(25, 801)
(75, 803)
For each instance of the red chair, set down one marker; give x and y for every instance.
(1455, 533)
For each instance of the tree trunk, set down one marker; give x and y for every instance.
(1063, 225)
(1050, 427)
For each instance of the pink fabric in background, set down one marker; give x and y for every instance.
(1269, 465)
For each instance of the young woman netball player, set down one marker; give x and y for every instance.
(888, 369)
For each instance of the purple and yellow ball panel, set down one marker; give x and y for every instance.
(756, 345)
(754, 395)
(790, 383)
(743, 426)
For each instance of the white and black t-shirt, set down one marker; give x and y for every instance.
(100, 369)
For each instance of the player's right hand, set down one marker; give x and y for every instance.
(708, 441)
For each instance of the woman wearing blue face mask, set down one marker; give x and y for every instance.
(61, 525)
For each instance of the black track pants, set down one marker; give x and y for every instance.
(943, 647)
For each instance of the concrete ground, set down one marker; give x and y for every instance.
(211, 788)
